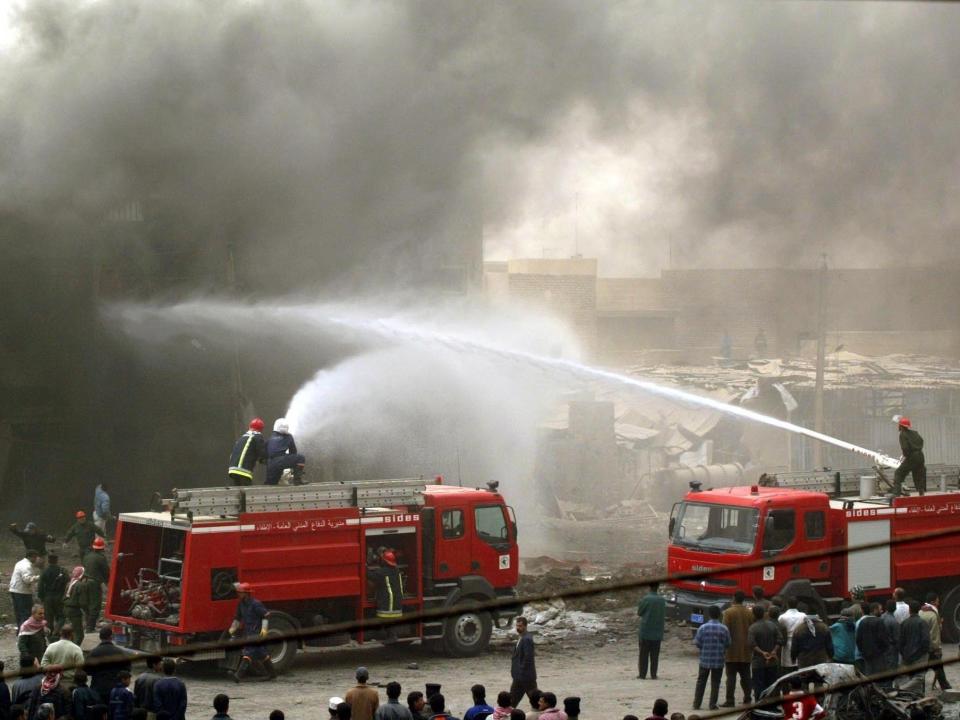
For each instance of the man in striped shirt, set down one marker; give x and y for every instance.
(712, 639)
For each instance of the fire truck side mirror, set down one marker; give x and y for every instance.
(671, 526)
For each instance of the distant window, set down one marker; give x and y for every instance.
(815, 523)
(452, 523)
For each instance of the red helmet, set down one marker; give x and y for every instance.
(98, 543)
(242, 587)
(80, 514)
(904, 422)
(256, 424)
(390, 558)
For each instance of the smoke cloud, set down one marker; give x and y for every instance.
(254, 148)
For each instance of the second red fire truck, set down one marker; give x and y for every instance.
(305, 551)
(721, 529)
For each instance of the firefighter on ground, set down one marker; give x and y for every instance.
(247, 452)
(84, 532)
(82, 597)
(913, 463)
(282, 454)
(96, 567)
(251, 621)
(389, 588)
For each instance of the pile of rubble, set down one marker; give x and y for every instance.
(554, 620)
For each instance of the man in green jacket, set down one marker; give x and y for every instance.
(82, 596)
(84, 532)
(652, 610)
(97, 567)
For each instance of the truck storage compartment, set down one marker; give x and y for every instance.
(147, 572)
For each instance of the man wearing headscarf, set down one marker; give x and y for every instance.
(82, 596)
(51, 691)
(32, 638)
(812, 643)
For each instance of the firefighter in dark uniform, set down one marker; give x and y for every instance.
(282, 455)
(96, 567)
(250, 449)
(388, 585)
(251, 621)
(913, 463)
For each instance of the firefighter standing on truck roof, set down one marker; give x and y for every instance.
(251, 619)
(96, 567)
(282, 454)
(247, 452)
(913, 463)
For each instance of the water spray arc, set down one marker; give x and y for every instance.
(390, 330)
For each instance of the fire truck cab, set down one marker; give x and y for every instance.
(305, 550)
(722, 528)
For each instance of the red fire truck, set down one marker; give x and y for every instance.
(305, 551)
(725, 527)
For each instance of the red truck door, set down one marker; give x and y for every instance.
(452, 544)
(491, 554)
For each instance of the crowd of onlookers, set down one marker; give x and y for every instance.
(759, 642)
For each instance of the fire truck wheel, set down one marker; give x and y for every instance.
(468, 633)
(950, 612)
(282, 653)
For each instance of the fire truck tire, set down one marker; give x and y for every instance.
(282, 653)
(468, 633)
(950, 612)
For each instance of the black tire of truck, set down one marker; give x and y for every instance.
(950, 612)
(283, 652)
(468, 633)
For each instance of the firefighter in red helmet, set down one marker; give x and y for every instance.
(249, 450)
(913, 463)
(388, 585)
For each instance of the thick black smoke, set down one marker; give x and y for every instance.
(160, 149)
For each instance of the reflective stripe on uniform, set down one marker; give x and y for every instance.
(240, 471)
(246, 447)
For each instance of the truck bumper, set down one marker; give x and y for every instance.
(691, 607)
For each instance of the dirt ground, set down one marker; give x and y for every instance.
(600, 668)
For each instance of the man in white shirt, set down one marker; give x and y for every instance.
(790, 620)
(903, 609)
(65, 653)
(23, 584)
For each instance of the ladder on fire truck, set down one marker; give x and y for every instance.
(232, 501)
(842, 483)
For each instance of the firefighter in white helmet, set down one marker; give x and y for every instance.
(282, 454)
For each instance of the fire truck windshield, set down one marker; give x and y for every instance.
(716, 528)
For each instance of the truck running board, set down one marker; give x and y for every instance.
(232, 501)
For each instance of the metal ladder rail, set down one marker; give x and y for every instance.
(232, 501)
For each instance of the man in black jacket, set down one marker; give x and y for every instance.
(103, 675)
(914, 647)
(872, 641)
(913, 463)
(523, 666)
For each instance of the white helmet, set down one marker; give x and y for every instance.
(896, 419)
(281, 426)
(334, 701)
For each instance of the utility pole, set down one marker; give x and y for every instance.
(821, 360)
